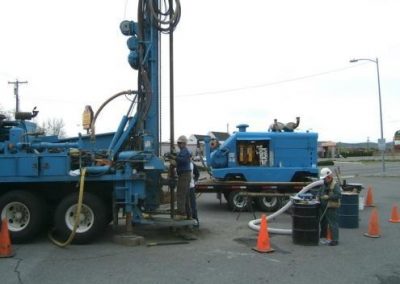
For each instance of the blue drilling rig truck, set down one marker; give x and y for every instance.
(80, 184)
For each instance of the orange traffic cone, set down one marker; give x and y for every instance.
(5, 242)
(369, 201)
(395, 215)
(373, 227)
(263, 244)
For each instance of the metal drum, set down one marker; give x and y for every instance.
(305, 226)
(348, 211)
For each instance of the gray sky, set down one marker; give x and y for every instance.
(235, 62)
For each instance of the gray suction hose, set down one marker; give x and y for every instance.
(255, 224)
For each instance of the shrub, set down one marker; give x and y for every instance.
(356, 153)
(325, 163)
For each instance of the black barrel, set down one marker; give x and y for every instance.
(348, 211)
(305, 226)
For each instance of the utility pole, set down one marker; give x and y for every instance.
(16, 85)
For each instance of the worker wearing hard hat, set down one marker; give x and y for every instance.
(184, 176)
(329, 196)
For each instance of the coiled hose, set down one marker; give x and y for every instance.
(166, 18)
(255, 224)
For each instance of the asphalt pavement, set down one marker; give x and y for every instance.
(223, 251)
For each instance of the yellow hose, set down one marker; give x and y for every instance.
(77, 215)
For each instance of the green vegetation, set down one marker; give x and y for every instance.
(325, 163)
(356, 152)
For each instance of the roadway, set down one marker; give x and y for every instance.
(223, 251)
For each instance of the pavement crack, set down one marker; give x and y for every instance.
(16, 270)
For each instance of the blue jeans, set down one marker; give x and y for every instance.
(191, 207)
(182, 192)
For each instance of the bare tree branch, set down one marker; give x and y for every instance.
(54, 126)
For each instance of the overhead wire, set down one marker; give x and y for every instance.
(231, 90)
(268, 84)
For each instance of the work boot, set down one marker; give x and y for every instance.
(323, 241)
(333, 243)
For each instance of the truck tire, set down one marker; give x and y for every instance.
(25, 213)
(268, 204)
(237, 202)
(93, 219)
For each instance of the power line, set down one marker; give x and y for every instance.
(269, 84)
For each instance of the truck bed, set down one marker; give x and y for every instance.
(267, 188)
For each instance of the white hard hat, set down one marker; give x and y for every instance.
(325, 172)
(182, 139)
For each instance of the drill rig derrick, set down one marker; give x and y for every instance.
(142, 134)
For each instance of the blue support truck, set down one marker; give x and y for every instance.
(42, 177)
(264, 166)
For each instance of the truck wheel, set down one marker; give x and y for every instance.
(25, 213)
(268, 204)
(237, 202)
(92, 220)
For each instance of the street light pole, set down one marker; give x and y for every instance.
(381, 142)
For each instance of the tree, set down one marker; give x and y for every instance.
(8, 113)
(54, 126)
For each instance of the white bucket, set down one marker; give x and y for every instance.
(361, 203)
